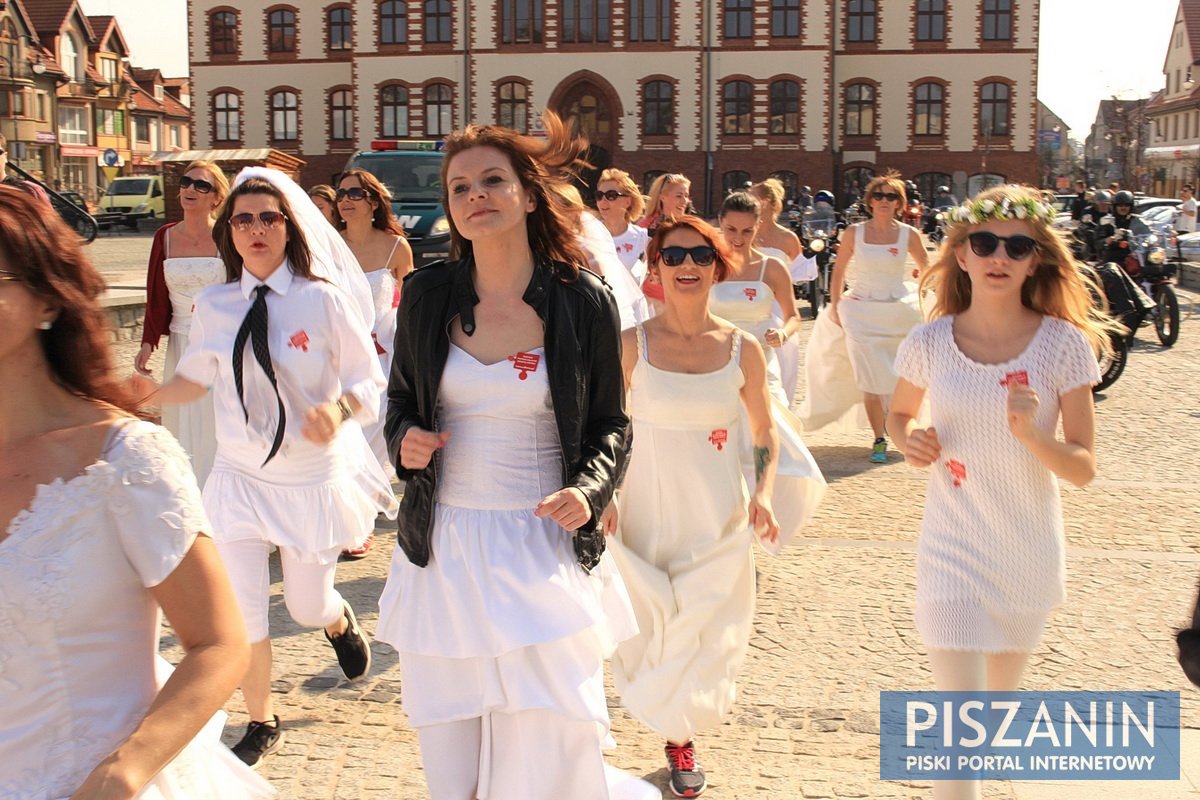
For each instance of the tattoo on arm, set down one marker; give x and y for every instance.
(762, 459)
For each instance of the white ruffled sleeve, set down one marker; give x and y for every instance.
(154, 500)
(912, 359)
(1077, 364)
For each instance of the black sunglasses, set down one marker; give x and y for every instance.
(610, 195)
(269, 219)
(354, 193)
(702, 255)
(199, 184)
(983, 244)
(891, 197)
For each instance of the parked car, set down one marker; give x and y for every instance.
(1188, 247)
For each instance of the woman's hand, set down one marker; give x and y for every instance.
(762, 519)
(418, 447)
(568, 507)
(141, 385)
(1023, 404)
(922, 447)
(321, 423)
(106, 782)
(609, 519)
(833, 313)
(775, 337)
(141, 362)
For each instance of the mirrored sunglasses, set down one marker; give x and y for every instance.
(199, 184)
(269, 219)
(983, 244)
(702, 255)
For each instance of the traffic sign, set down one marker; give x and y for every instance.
(111, 158)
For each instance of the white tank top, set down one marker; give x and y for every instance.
(877, 271)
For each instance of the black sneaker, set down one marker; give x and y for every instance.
(687, 779)
(353, 650)
(261, 740)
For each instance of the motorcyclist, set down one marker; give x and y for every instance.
(1123, 218)
(942, 198)
(805, 200)
(822, 215)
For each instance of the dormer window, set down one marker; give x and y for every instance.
(68, 56)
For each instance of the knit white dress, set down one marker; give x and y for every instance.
(990, 563)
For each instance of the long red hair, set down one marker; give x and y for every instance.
(45, 255)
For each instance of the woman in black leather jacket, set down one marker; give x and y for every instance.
(506, 417)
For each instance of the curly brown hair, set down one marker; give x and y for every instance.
(541, 165)
(46, 257)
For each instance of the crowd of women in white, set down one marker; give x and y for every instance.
(509, 373)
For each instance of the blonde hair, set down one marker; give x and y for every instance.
(216, 178)
(1059, 287)
(637, 203)
(888, 180)
(770, 194)
(660, 185)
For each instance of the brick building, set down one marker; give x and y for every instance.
(819, 92)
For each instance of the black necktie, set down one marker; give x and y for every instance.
(254, 327)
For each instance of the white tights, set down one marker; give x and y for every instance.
(972, 671)
(308, 589)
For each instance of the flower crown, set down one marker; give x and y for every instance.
(984, 210)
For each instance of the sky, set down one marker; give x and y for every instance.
(1090, 50)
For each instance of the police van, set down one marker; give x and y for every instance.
(412, 172)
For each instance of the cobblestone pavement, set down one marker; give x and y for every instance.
(834, 624)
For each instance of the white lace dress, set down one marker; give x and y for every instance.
(193, 423)
(79, 626)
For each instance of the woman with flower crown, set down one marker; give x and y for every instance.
(1011, 350)
(852, 347)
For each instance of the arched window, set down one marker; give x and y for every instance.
(513, 106)
(860, 109)
(738, 99)
(928, 183)
(393, 22)
(68, 55)
(439, 110)
(791, 184)
(929, 103)
(854, 183)
(285, 116)
(393, 111)
(438, 15)
(223, 33)
(340, 32)
(993, 109)
(227, 117)
(658, 108)
(785, 107)
(341, 115)
(734, 181)
(648, 178)
(281, 28)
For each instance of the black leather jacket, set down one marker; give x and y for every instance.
(583, 363)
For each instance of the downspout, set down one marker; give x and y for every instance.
(706, 101)
(468, 111)
(831, 123)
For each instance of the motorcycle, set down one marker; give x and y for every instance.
(1147, 264)
(819, 241)
(913, 214)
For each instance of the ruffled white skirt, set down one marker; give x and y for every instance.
(875, 327)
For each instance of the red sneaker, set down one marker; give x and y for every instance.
(361, 551)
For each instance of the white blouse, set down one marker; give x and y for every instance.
(319, 350)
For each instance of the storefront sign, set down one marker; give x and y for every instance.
(80, 152)
(46, 137)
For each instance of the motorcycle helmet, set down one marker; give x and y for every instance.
(805, 189)
(823, 196)
(1123, 198)
(943, 190)
(1101, 196)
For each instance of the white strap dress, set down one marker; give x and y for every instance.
(192, 424)
(684, 548)
(386, 297)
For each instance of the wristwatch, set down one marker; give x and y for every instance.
(344, 407)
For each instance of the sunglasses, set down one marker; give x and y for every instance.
(9, 276)
(891, 197)
(199, 184)
(610, 195)
(269, 219)
(983, 244)
(354, 193)
(702, 255)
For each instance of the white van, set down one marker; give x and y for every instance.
(134, 197)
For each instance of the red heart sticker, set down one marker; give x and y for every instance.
(894, 251)
(299, 341)
(718, 438)
(1021, 378)
(958, 470)
(525, 363)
